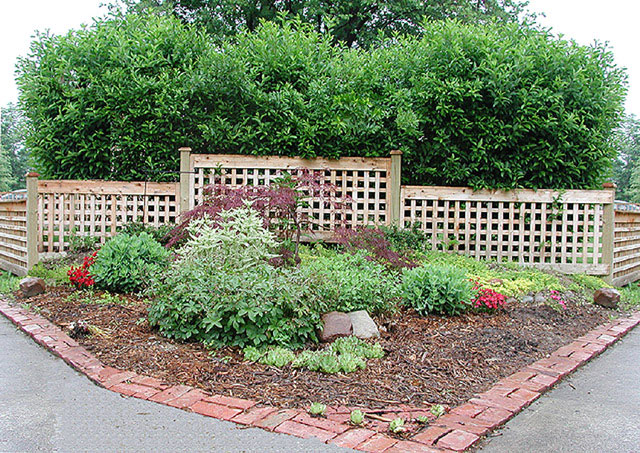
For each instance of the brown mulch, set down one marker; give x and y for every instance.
(428, 360)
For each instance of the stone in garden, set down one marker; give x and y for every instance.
(527, 300)
(363, 325)
(32, 286)
(335, 325)
(607, 297)
(540, 298)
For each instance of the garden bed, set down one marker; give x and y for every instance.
(428, 360)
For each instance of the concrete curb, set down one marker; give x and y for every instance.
(458, 430)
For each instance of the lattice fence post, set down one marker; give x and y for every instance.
(608, 231)
(32, 219)
(185, 177)
(395, 184)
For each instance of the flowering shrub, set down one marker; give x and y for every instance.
(555, 295)
(81, 276)
(375, 243)
(488, 299)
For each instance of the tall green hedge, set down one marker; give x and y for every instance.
(486, 106)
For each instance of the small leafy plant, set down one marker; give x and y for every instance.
(81, 277)
(487, 299)
(396, 426)
(437, 410)
(423, 420)
(356, 417)
(318, 409)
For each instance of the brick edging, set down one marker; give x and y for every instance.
(458, 430)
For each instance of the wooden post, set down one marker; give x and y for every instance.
(608, 231)
(185, 173)
(32, 220)
(395, 183)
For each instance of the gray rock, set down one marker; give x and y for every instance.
(363, 325)
(540, 298)
(607, 297)
(335, 325)
(32, 286)
(527, 299)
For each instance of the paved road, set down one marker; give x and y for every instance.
(595, 410)
(47, 406)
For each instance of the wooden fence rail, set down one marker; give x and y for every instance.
(568, 231)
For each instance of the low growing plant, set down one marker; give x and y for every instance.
(356, 417)
(82, 276)
(487, 299)
(437, 289)
(318, 409)
(126, 263)
(54, 276)
(397, 425)
(355, 346)
(160, 233)
(437, 410)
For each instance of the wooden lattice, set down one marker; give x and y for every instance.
(626, 260)
(13, 236)
(361, 185)
(99, 208)
(545, 229)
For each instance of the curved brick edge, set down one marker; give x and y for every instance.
(456, 431)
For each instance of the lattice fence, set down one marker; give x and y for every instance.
(362, 185)
(626, 259)
(13, 236)
(99, 208)
(546, 229)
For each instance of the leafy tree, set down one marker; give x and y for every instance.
(626, 165)
(352, 22)
(13, 154)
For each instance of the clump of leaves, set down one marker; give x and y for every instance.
(423, 420)
(276, 356)
(318, 409)
(437, 410)
(375, 244)
(397, 425)
(355, 346)
(437, 289)
(357, 417)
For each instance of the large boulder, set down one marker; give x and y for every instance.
(335, 325)
(363, 325)
(607, 297)
(32, 286)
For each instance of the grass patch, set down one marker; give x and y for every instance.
(55, 276)
(8, 283)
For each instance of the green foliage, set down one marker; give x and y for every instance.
(349, 282)
(257, 306)
(423, 420)
(356, 346)
(81, 243)
(437, 289)
(495, 105)
(590, 281)
(160, 233)
(318, 409)
(328, 362)
(126, 263)
(626, 165)
(630, 296)
(8, 283)
(238, 241)
(406, 238)
(52, 275)
(13, 153)
(276, 356)
(356, 417)
(396, 425)
(437, 410)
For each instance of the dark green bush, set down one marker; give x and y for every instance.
(160, 233)
(437, 289)
(349, 282)
(492, 105)
(258, 306)
(126, 263)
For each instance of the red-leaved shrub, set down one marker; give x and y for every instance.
(374, 242)
(81, 276)
(488, 299)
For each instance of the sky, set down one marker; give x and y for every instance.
(614, 21)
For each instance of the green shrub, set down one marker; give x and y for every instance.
(53, 276)
(437, 289)
(257, 306)
(590, 281)
(160, 233)
(126, 263)
(8, 283)
(348, 282)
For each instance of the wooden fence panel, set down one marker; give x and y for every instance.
(546, 229)
(13, 236)
(626, 259)
(99, 208)
(363, 181)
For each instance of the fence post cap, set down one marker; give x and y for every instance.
(184, 149)
(609, 185)
(396, 152)
(32, 174)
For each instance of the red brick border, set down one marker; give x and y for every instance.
(455, 431)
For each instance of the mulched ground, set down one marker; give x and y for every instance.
(428, 360)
